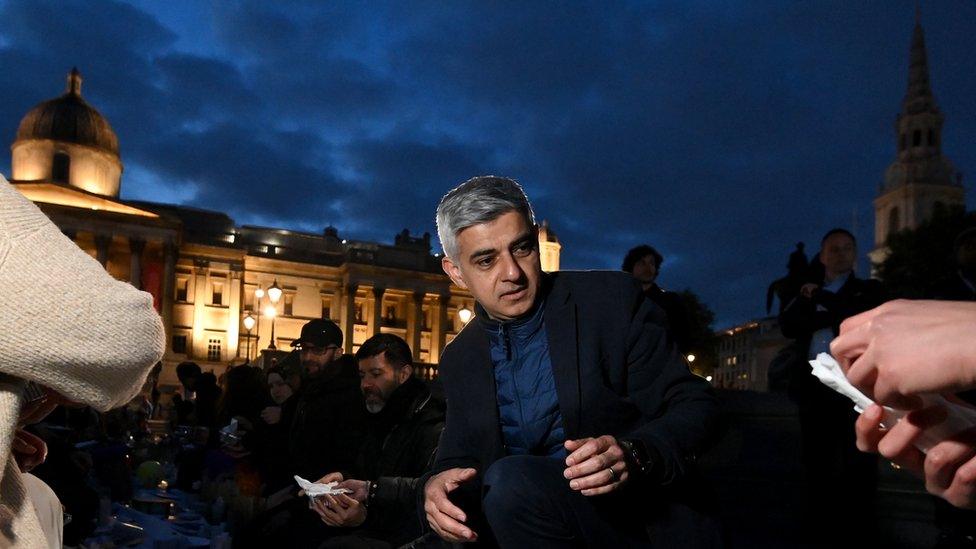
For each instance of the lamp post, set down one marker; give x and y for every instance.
(248, 325)
(465, 314)
(258, 296)
(271, 311)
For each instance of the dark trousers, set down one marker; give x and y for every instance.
(528, 503)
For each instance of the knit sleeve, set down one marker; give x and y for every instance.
(64, 322)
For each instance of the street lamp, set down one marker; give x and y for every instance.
(271, 312)
(274, 292)
(691, 358)
(465, 314)
(248, 325)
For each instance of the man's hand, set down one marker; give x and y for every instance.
(271, 415)
(359, 489)
(904, 348)
(596, 465)
(949, 467)
(340, 511)
(808, 289)
(29, 450)
(331, 477)
(444, 517)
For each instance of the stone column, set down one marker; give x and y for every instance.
(348, 321)
(102, 244)
(136, 247)
(376, 319)
(201, 272)
(415, 324)
(169, 287)
(234, 316)
(439, 329)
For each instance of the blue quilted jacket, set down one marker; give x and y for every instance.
(528, 408)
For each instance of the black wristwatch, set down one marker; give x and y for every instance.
(371, 492)
(636, 457)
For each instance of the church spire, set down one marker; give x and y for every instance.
(921, 180)
(918, 96)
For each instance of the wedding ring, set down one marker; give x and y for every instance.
(613, 474)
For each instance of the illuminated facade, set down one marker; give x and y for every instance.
(921, 179)
(745, 353)
(203, 269)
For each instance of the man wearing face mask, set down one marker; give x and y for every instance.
(404, 424)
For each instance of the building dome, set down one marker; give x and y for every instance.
(67, 142)
(70, 119)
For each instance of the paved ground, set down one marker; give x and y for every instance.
(755, 470)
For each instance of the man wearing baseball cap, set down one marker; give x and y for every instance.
(325, 435)
(330, 417)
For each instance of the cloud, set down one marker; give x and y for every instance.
(720, 133)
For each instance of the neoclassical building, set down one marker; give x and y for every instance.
(921, 179)
(208, 274)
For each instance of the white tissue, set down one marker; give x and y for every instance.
(230, 428)
(314, 489)
(959, 417)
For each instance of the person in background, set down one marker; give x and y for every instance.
(961, 284)
(275, 423)
(644, 262)
(330, 419)
(404, 424)
(838, 476)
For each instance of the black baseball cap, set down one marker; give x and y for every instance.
(319, 333)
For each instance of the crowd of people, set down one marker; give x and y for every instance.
(564, 414)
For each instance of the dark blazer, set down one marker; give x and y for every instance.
(802, 317)
(616, 373)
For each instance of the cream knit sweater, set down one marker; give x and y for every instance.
(65, 324)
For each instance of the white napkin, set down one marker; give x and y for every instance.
(230, 428)
(314, 489)
(959, 417)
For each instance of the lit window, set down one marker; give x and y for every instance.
(213, 350)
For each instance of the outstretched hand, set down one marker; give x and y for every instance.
(444, 517)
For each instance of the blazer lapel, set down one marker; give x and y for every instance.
(481, 381)
(560, 323)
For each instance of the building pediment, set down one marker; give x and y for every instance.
(72, 197)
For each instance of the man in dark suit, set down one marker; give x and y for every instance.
(571, 418)
(838, 476)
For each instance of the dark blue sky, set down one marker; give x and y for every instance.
(720, 132)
